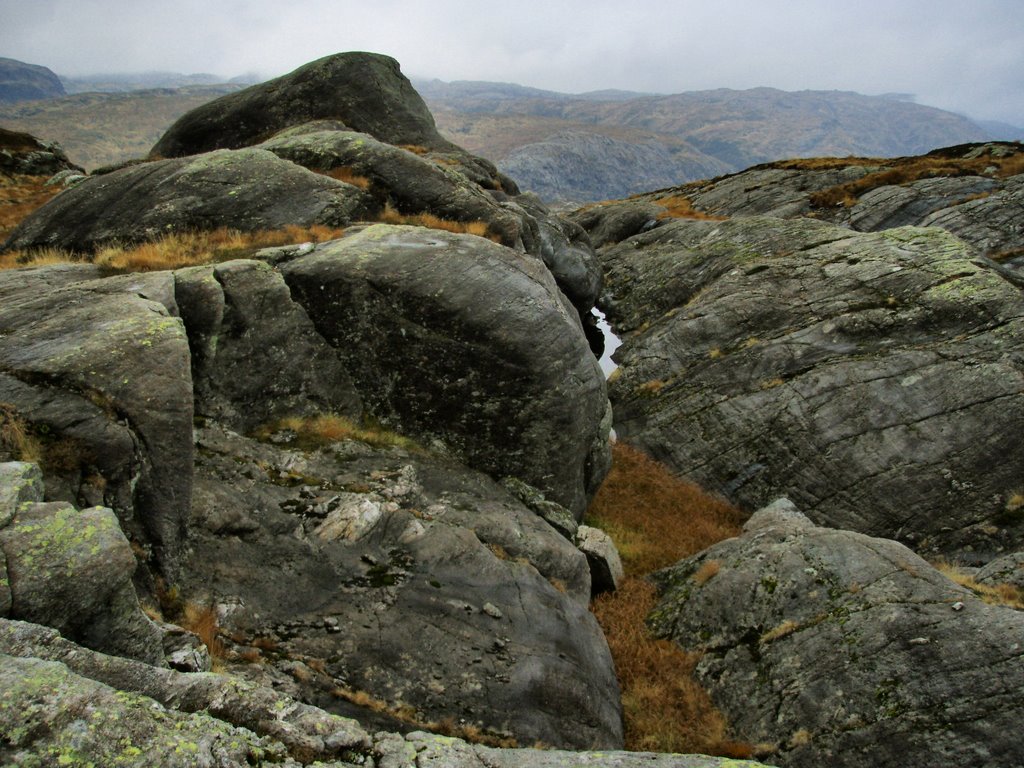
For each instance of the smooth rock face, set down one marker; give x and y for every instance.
(402, 576)
(100, 370)
(605, 565)
(877, 379)
(455, 338)
(365, 91)
(247, 190)
(846, 650)
(255, 354)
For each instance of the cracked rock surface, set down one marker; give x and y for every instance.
(875, 378)
(846, 650)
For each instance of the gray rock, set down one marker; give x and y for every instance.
(846, 650)
(247, 190)
(611, 223)
(99, 369)
(255, 354)
(20, 482)
(428, 323)
(605, 566)
(555, 515)
(1008, 569)
(413, 184)
(22, 153)
(72, 570)
(142, 717)
(876, 379)
(404, 553)
(365, 91)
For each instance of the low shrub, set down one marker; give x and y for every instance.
(479, 228)
(312, 432)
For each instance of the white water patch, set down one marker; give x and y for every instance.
(611, 343)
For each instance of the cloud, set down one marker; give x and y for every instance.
(969, 59)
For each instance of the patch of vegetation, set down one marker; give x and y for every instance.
(479, 228)
(19, 196)
(681, 207)
(655, 520)
(313, 432)
(346, 174)
(906, 170)
(1008, 595)
(16, 439)
(177, 250)
(408, 714)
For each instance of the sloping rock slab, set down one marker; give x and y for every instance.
(876, 379)
(247, 190)
(455, 338)
(402, 577)
(61, 704)
(846, 650)
(99, 370)
(365, 91)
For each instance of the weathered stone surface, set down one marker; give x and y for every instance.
(1008, 569)
(247, 190)
(62, 704)
(454, 338)
(413, 184)
(255, 354)
(614, 222)
(99, 369)
(846, 650)
(72, 570)
(22, 153)
(409, 578)
(876, 379)
(365, 91)
(20, 482)
(602, 556)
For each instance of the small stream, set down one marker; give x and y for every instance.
(611, 343)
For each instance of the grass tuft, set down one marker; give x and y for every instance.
(479, 228)
(681, 207)
(16, 439)
(655, 520)
(311, 433)
(177, 250)
(1007, 595)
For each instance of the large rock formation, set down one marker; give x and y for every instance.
(98, 370)
(21, 153)
(846, 650)
(365, 91)
(456, 338)
(247, 190)
(876, 379)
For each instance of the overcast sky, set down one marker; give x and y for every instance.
(966, 56)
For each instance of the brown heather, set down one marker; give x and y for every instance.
(993, 594)
(479, 228)
(347, 175)
(656, 519)
(904, 170)
(173, 251)
(681, 207)
(19, 196)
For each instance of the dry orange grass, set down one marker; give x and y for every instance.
(347, 175)
(326, 428)
(681, 207)
(906, 170)
(19, 196)
(993, 594)
(656, 519)
(479, 228)
(183, 249)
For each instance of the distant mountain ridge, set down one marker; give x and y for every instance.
(723, 128)
(24, 82)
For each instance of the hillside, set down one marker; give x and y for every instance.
(98, 129)
(704, 132)
(23, 82)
